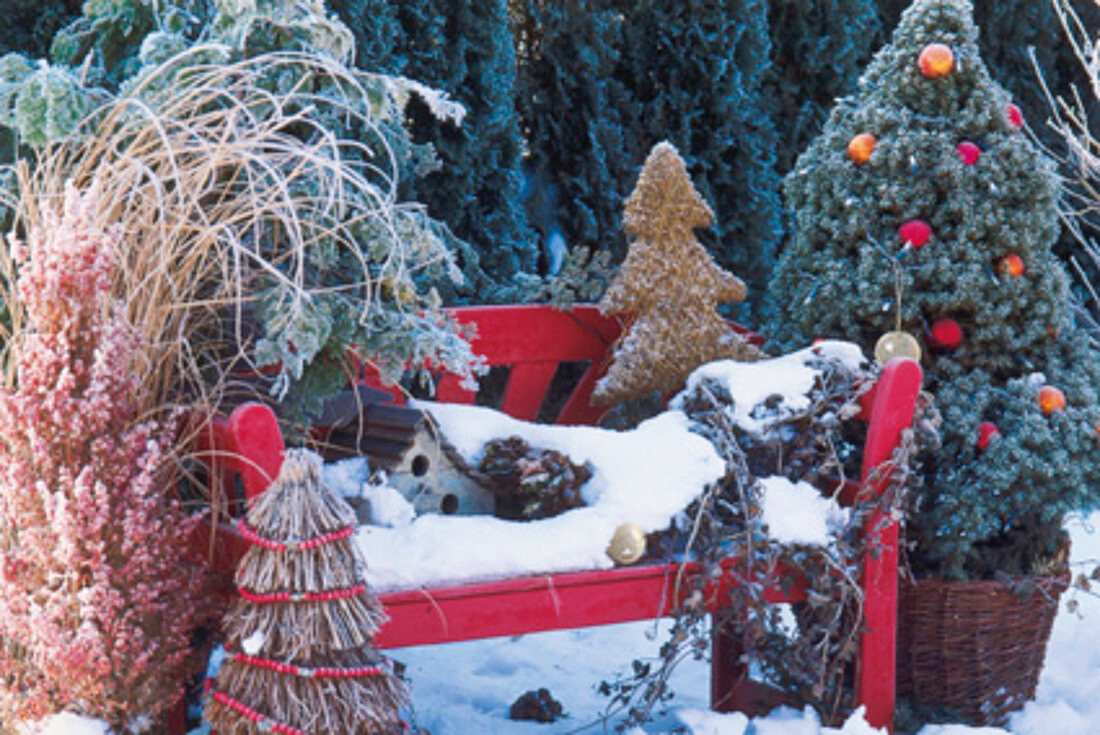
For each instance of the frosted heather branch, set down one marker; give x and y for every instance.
(95, 605)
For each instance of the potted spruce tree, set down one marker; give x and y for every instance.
(923, 224)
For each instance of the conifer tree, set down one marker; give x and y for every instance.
(465, 49)
(923, 208)
(695, 71)
(668, 287)
(817, 50)
(1009, 32)
(299, 652)
(573, 107)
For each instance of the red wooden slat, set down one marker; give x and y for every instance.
(579, 409)
(449, 390)
(892, 412)
(527, 385)
(510, 335)
(547, 602)
(255, 437)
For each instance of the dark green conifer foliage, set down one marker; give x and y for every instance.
(377, 33)
(464, 47)
(818, 48)
(29, 25)
(572, 106)
(981, 511)
(695, 70)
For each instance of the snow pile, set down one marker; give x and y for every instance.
(645, 476)
(347, 476)
(797, 513)
(769, 391)
(67, 723)
(1067, 701)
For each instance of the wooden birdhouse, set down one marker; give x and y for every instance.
(402, 442)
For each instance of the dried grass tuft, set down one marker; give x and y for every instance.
(216, 182)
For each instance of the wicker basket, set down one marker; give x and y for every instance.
(975, 648)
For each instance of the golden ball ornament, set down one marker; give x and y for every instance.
(936, 60)
(896, 344)
(627, 544)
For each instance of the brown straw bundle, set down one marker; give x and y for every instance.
(669, 287)
(271, 642)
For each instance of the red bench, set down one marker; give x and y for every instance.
(533, 341)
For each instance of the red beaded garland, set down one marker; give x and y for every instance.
(323, 596)
(253, 716)
(304, 671)
(293, 544)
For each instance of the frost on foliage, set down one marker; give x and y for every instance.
(42, 105)
(95, 609)
(374, 263)
(275, 25)
(440, 104)
(764, 394)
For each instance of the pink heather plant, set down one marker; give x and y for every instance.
(96, 601)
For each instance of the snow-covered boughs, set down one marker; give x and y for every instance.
(95, 605)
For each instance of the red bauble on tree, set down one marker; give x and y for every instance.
(987, 432)
(969, 152)
(1015, 117)
(915, 233)
(947, 334)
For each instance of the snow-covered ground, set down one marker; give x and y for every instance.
(468, 688)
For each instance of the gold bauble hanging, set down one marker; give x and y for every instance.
(627, 544)
(896, 344)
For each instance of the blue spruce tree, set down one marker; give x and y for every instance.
(923, 208)
(818, 48)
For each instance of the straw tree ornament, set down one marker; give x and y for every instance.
(299, 647)
(668, 287)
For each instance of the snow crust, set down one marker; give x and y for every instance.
(769, 391)
(797, 513)
(67, 723)
(645, 476)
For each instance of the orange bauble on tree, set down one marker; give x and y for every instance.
(861, 147)
(1051, 400)
(936, 60)
(1011, 265)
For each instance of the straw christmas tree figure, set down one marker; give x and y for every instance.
(299, 640)
(669, 288)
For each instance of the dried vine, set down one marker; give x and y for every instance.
(807, 659)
